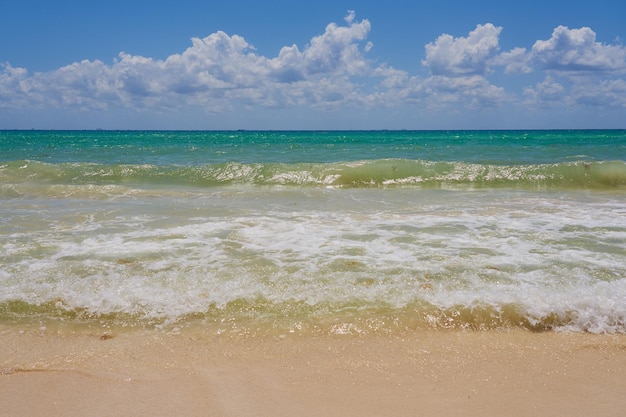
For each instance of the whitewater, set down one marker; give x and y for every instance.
(333, 232)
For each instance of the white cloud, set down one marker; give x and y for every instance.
(87, 83)
(546, 92)
(608, 93)
(213, 72)
(220, 72)
(473, 91)
(458, 68)
(350, 16)
(577, 50)
(14, 86)
(516, 60)
(337, 50)
(586, 93)
(570, 52)
(288, 66)
(451, 56)
(582, 72)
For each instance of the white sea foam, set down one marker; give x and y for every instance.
(161, 256)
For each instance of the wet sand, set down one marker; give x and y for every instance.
(421, 373)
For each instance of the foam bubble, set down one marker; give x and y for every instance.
(159, 256)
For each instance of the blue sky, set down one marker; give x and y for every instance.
(317, 65)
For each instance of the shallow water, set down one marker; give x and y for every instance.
(284, 231)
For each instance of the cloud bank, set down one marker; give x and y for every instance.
(334, 70)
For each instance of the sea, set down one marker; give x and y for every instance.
(329, 232)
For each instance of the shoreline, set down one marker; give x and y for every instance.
(424, 372)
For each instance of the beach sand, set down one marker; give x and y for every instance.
(420, 373)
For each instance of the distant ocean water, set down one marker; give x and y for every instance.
(340, 232)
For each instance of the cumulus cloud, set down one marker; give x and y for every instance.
(471, 91)
(12, 86)
(516, 60)
(463, 56)
(607, 93)
(459, 67)
(577, 50)
(547, 91)
(331, 71)
(581, 71)
(212, 72)
(335, 51)
(568, 51)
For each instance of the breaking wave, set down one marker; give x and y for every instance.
(368, 173)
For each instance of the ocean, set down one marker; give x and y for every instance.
(355, 232)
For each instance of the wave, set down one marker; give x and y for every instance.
(367, 173)
(263, 315)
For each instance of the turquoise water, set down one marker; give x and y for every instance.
(200, 148)
(341, 232)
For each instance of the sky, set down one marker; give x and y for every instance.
(312, 65)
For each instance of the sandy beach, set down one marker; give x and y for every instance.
(313, 273)
(421, 373)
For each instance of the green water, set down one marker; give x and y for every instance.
(341, 232)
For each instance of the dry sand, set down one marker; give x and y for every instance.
(421, 373)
